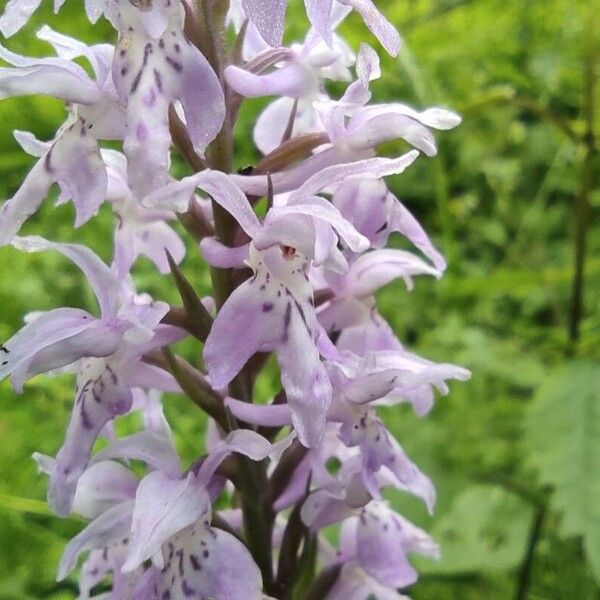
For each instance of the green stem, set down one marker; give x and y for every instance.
(526, 570)
(582, 205)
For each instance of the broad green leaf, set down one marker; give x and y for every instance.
(563, 437)
(485, 529)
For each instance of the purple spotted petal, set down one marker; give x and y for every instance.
(74, 162)
(101, 396)
(355, 584)
(305, 381)
(383, 539)
(205, 562)
(249, 309)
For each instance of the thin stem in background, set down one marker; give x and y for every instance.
(535, 534)
(582, 204)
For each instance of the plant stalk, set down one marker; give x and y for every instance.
(582, 204)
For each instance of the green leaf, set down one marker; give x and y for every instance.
(563, 438)
(486, 529)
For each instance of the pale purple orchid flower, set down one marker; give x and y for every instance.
(353, 292)
(360, 428)
(155, 65)
(73, 158)
(299, 81)
(302, 280)
(105, 353)
(377, 213)
(274, 307)
(140, 230)
(165, 517)
(378, 541)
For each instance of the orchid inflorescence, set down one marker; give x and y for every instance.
(298, 281)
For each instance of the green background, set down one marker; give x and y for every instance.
(515, 452)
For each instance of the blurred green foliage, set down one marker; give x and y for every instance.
(514, 453)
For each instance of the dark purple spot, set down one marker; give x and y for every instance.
(136, 81)
(175, 64)
(158, 80)
(195, 562)
(179, 555)
(287, 319)
(161, 43)
(187, 590)
(177, 48)
(85, 420)
(267, 307)
(205, 554)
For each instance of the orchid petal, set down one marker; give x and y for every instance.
(74, 162)
(104, 484)
(16, 14)
(291, 80)
(373, 168)
(202, 98)
(163, 507)
(375, 269)
(219, 255)
(320, 17)
(268, 17)
(246, 442)
(156, 451)
(381, 28)
(206, 562)
(55, 339)
(320, 208)
(102, 396)
(266, 415)
(106, 286)
(111, 526)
